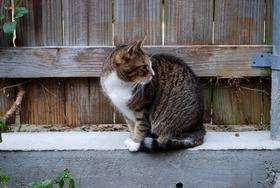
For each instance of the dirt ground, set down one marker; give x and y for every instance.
(119, 127)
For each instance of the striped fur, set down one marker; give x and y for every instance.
(165, 99)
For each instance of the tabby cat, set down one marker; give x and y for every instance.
(159, 96)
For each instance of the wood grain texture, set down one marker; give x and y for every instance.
(103, 111)
(7, 97)
(188, 22)
(135, 19)
(239, 21)
(119, 119)
(237, 101)
(269, 21)
(266, 98)
(42, 26)
(85, 102)
(5, 40)
(87, 22)
(44, 102)
(206, 84)
(52, 62)
(77, 101)
(206, 61)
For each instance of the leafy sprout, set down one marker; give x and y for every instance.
(44, 184)
(19, 12)
(4, 179)
(60, 180)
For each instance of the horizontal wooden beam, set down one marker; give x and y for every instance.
(206, 61)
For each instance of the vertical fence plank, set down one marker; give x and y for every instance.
(251, 101)
(44, 102)
(100, 33)
(102, 110)
(7, 97)
(5, 40)
(207, 95)
(225, 110)
(100, 22)
(268, 21)
(188, 22)
(135, 19)
(239, 21)
(266, 83)
(87, 23)
(237, 101)
(85, 102)
(77, 101)
(75, 22)
(42, 26)
(119, 118)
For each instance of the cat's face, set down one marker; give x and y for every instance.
(131, 63)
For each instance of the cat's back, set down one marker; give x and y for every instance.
(178, 90)
(170, 68)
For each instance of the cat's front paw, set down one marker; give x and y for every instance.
(131, 145)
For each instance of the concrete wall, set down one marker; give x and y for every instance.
(121, 169)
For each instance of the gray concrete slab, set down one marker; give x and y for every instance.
(251, 140)
(121, 169)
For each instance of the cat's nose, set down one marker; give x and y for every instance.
(152, 72)
(151, 69)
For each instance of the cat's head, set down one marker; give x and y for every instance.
(131, 63)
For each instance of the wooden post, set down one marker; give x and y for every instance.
(275, 93)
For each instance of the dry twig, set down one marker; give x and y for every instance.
(16, 104)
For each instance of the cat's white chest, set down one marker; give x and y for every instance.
(119, 92)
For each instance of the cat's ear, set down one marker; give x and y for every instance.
(140, 43)
(131, 48)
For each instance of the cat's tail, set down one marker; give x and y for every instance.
(193, 139)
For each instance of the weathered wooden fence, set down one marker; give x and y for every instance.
(216, 37)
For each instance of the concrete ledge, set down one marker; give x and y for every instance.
(121, 169)
(254, 140)
(224, 160)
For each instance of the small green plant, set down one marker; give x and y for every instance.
(3, 180)
(59, 180)
(44, 184)
(17, 12)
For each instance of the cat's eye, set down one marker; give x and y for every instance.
(144, 66)
(143, 71)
